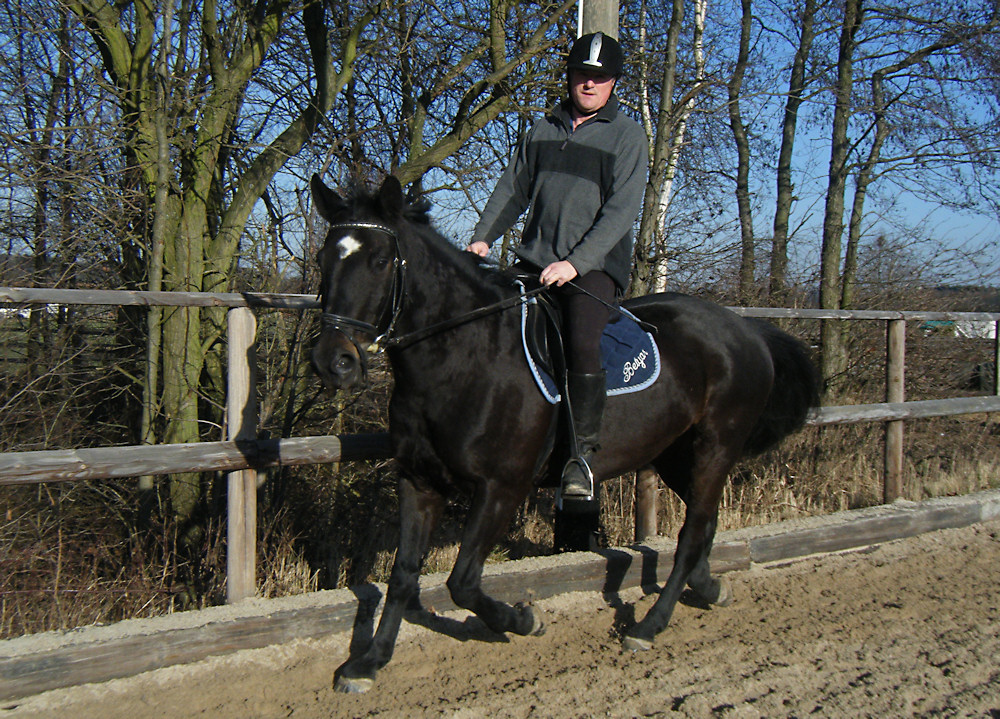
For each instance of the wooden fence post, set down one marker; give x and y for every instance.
(894, 392)
(647, 484)
(241, 411)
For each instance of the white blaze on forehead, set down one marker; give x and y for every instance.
(347, 246)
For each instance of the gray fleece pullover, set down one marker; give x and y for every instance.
(584, 189)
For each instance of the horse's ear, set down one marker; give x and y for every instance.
(328, 203)
(390, 196)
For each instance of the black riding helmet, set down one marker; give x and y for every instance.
(596, 52)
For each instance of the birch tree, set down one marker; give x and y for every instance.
(665, 119)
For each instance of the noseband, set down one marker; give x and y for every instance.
(341, 324)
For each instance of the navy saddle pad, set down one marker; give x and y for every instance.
(630, 356)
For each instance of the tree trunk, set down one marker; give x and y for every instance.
(746, 273)
(183, 356)
(785, 197)
(666, 136)
(833, 359)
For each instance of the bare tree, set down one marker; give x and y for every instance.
(210, 102)
(918, 118)
(834, 359)
(743, 205)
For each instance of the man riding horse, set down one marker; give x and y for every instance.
(580, 172)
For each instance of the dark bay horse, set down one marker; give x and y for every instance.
(466, 416)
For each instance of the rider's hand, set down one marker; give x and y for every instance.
(558, 273)
(479, 248)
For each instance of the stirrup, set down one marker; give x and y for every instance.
(577, 501)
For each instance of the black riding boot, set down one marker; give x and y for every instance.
(586, 400)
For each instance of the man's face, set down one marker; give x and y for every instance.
(590, 91)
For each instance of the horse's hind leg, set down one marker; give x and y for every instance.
(675, 468)
(690, 554)
(490, 514)
(702, 495)
(711, 589)
(419, 513)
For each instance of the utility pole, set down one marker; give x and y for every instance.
(598, 16)
(602, 16)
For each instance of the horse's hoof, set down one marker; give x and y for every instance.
(352, 685)
(725, 597)
(537, 628)
(637, 644)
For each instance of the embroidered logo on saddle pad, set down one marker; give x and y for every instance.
(629, 354)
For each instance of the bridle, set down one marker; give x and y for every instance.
(384, 337)
(340, 323)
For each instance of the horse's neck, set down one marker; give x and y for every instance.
(444, 288)
(437, 291)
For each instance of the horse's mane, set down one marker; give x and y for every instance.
(362, 201)
(416, 212)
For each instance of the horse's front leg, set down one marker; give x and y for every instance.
(419, 511)
(492, 509)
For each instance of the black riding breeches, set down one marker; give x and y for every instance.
(584, 318)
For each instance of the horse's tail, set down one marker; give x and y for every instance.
(796, 389)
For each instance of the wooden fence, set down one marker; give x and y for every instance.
(243, 455)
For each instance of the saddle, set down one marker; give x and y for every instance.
(629, 353)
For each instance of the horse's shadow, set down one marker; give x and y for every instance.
(619, 565)
(369, 598)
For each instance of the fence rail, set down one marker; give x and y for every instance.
(243, 455)
(41, 295)
(67, 465)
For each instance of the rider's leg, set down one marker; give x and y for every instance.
(586, 313)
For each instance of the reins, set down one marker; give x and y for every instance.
(425, 332)
(648, 327)
(384, 339)
(613, 307)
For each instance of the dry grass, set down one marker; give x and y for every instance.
(826, 470)
(815, 472)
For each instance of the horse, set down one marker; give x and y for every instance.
(465, 415)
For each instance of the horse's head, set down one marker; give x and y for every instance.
(361, 279)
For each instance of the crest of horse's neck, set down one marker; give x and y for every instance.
(447, 288)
